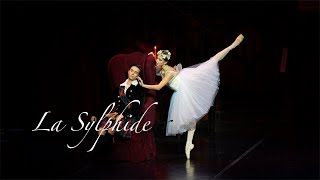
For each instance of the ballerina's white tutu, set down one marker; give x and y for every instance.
(195, 90)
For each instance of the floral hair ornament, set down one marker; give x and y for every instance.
(164, 54)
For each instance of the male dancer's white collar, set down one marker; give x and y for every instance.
(135, 83)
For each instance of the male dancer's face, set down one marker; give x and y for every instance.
(133, 73)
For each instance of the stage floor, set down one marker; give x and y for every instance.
(232, 152)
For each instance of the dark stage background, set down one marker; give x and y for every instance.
(54, 57)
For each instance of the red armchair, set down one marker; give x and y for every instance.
(142, 145)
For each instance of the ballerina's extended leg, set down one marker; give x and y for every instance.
(220, 55)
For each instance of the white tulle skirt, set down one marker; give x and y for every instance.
(193, 98)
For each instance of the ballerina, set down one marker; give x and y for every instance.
(195, 89)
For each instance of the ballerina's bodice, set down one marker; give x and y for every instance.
(174, 81)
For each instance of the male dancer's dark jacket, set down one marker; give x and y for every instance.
(122, 98)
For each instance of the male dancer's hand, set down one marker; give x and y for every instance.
(112, 115)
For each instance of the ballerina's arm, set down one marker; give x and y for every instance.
(163, 82)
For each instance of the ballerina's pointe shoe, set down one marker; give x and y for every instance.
(238, 40)
(188, 148)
